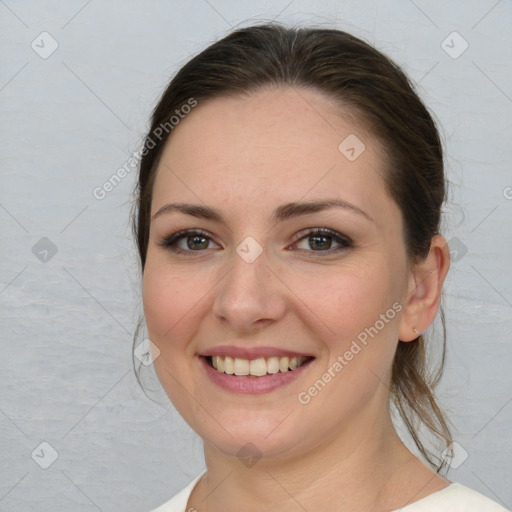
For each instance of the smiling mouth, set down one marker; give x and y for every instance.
(256, 367)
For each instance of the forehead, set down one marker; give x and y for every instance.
(281, 145)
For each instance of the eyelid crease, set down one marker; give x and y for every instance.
(320, 231)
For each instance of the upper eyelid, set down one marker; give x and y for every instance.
(322, 230)
(185, 233)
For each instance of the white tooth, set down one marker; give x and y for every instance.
(241, 366)
(214, 361)
(220, 364)
(293, 363)
(229, 366)
(258, 367)
(283, 364)
(273, 364)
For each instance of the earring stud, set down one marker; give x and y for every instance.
(415, 330)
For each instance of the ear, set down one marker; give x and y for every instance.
(425, 285)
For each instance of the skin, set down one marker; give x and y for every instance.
(246, 156)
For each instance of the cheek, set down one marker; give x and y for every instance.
(168, 311)
(167, 299)
(358, 307)
(350, 299)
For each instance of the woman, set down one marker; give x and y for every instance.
(288, 211)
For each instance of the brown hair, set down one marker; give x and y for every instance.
(357, 75)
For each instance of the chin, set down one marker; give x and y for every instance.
(254, 436)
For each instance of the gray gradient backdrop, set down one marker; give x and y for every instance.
(78, 80)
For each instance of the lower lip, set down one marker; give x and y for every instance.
(249, 385)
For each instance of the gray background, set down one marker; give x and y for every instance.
(70, 120)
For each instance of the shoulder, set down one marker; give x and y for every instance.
(178, 503)
(454, 498)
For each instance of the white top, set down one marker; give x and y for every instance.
(454, 498)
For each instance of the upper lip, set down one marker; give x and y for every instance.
(251, 352)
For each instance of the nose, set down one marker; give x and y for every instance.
(250, 296)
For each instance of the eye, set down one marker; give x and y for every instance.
(322, 240)
(318, 240)
(187, 242)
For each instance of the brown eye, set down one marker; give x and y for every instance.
(195, 243)
(322, 240)
(187, 242)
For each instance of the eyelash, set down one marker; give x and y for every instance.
(171, 241)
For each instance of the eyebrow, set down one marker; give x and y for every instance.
(283, 212)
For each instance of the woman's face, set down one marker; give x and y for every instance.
(258, 284)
